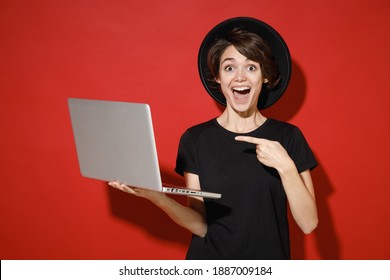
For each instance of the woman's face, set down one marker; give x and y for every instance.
(240, 79)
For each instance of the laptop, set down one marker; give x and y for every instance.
(115, 142)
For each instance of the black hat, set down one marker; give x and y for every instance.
(278, 47)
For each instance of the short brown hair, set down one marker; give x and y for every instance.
(249, 45)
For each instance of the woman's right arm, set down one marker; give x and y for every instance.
(191, 217)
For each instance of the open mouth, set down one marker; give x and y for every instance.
(241, 91)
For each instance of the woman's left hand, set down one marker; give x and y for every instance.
(269, 153)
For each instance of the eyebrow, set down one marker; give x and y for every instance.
(233, 59)
(227, 59)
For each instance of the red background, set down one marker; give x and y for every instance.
(146, 51)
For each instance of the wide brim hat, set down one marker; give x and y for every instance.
(278, 47)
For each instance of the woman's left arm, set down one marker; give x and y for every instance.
(300, 194)
(298, 186)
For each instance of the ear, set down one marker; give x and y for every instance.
(265, 81)
(217, 80)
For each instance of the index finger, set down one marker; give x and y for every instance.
(249, 139)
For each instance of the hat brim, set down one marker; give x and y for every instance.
(278, 47)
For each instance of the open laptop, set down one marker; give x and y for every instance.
(115, 142)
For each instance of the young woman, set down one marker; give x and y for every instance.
(258, 164)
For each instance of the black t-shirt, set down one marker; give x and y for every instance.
(250, 220)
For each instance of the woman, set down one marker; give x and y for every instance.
(258, 164)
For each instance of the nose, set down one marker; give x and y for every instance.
(240, 75)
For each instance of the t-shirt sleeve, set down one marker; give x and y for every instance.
(186, 159)
(300, 152)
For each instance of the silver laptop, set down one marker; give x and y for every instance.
(115, 142)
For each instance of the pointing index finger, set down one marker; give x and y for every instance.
(248, 139)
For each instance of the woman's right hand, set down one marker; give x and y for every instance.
(148, 194)
(191, 218)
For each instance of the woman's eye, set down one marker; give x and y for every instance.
(229, 68)
(252, 68)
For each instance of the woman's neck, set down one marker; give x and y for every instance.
(241, 122)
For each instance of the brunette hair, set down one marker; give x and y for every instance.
(249, 45)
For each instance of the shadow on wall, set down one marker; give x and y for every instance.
(326, 240)
(292, 100)
(325, 235)
(159, 225)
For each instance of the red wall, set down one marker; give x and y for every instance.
(146, 51)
